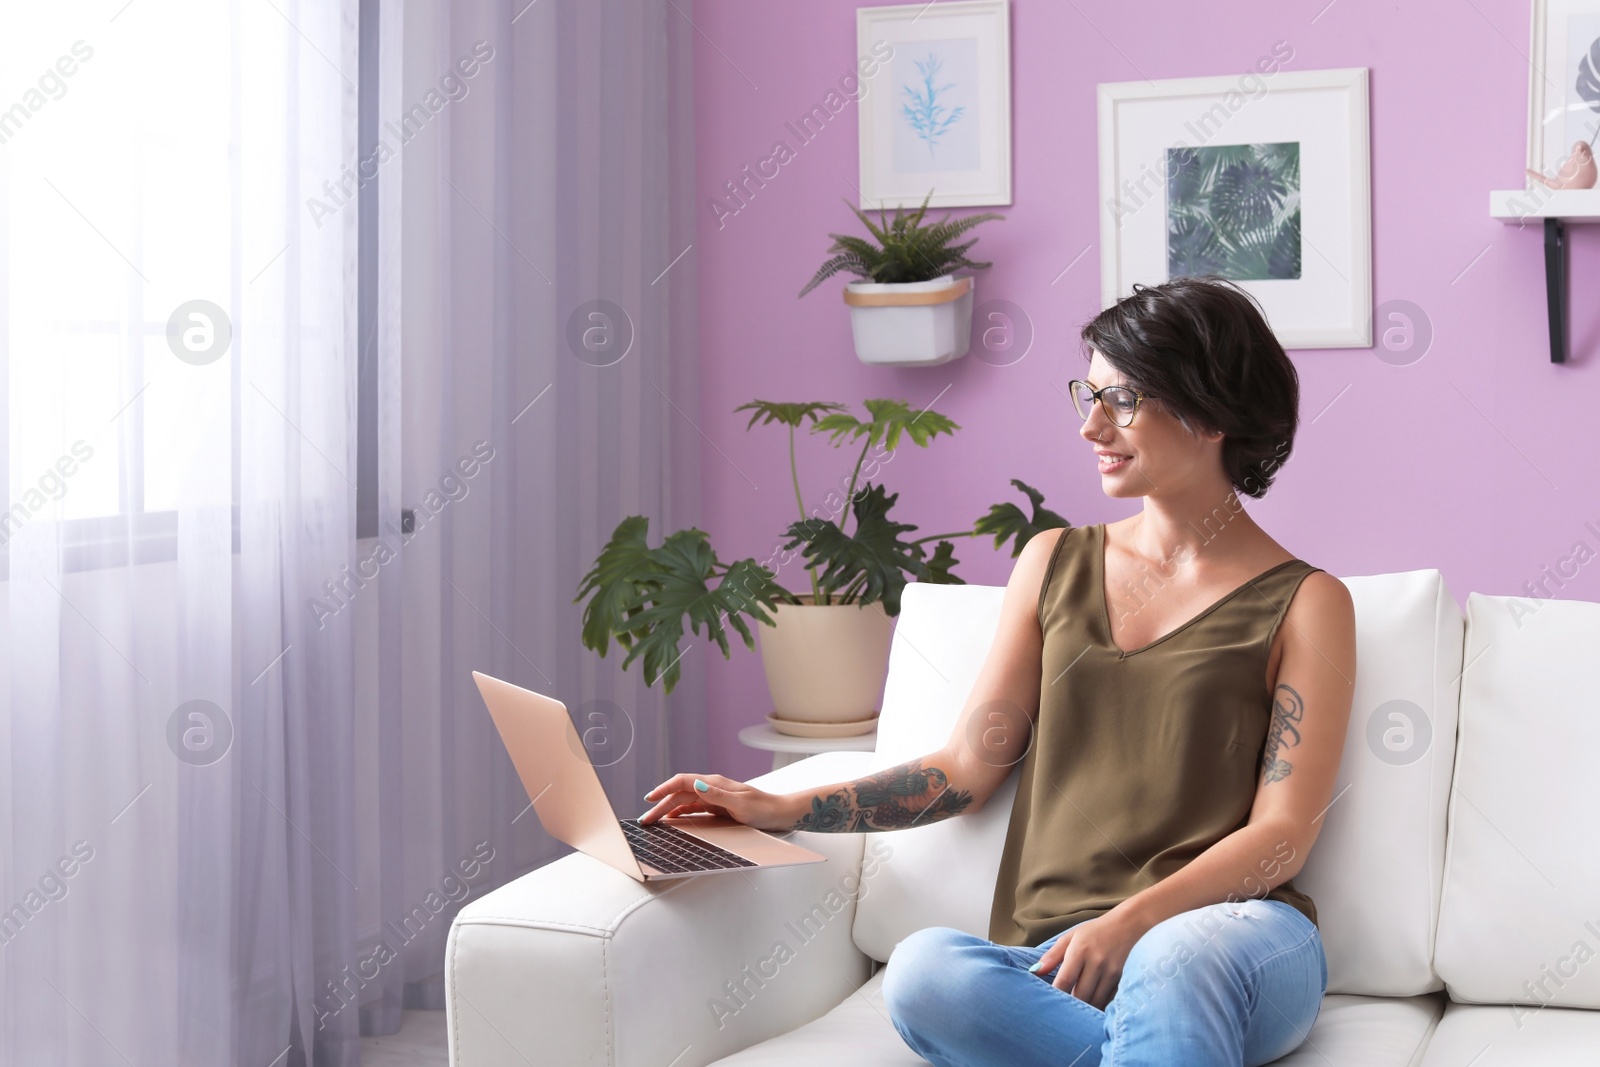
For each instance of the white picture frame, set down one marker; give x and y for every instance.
(1327, 301)
(1562, 33)
(938, 113)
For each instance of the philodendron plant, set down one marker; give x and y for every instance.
(641, 595)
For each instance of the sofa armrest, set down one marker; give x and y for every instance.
(578, 964)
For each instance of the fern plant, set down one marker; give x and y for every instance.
(641, 596)
(906, 250)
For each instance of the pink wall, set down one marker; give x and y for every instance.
(1479, 459)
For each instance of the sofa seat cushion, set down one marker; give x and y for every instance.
(1349, 1032)
(1497, 1035)
(856, 1033)
(1374, 1031)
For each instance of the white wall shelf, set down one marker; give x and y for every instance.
(1557, 208)
(1568, 205)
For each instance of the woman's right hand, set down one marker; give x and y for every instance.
(678, 795)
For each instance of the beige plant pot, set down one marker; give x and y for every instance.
(825, 666)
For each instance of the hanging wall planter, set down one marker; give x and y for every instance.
(914, 324)
(909, 309)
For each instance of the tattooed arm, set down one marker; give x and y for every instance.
(1288, 711)
(914, 793)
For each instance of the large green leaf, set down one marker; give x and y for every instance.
(875, 553)
(940, 566)
(625, 570)
(687, 561)
(770, 411)
(642, 597)
(1008, 520)
(890, 418)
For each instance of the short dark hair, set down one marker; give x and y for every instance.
(1201, 348)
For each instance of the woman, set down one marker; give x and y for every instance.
(1176, 686)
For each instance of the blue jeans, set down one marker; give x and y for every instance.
(1223, 985)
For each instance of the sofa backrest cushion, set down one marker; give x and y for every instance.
(1520, 921)
(941, 874)
(1377, 866)
(1378, 863)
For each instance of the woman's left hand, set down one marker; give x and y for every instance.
(1088, 958)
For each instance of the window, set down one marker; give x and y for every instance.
(105, 427)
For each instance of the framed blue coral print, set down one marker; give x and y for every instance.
(935, 104)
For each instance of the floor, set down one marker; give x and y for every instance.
(420, 1043)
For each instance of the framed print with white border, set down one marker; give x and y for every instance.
(1262, 178)
(938, 113)
(1563, 81)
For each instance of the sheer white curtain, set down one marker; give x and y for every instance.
(547, 195)
(245, 780)
(178, 335)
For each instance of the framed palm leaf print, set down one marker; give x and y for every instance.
(1234, 210)
(1262, 178)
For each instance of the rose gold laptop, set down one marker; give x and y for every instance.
(572, 804)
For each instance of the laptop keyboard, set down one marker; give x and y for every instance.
(666, 848)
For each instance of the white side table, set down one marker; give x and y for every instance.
(787, 749)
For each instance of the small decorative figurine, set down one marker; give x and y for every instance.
(1577, 171)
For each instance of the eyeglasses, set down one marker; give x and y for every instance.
(1119, 401)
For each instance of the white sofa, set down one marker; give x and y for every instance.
(1456, 880)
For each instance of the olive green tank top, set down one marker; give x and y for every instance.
(1139, 760)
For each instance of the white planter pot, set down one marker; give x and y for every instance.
(914, 324)
(825, 663)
